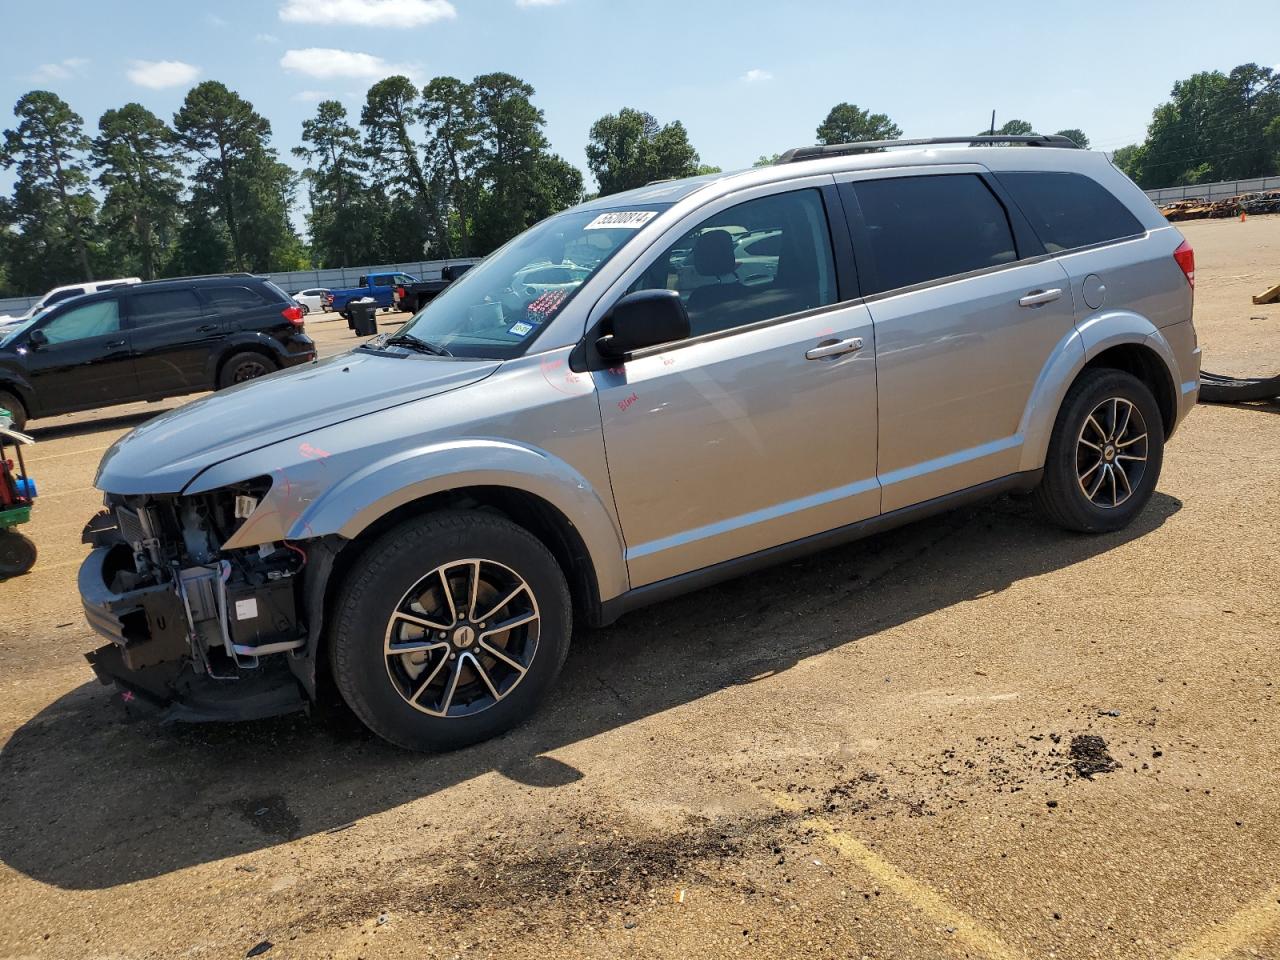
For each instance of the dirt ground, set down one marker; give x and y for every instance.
(974, 737)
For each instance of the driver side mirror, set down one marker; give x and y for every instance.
(36, 338)
(642, 319)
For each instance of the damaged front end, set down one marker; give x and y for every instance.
(199, 632)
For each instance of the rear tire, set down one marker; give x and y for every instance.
(243, 367)
(17, 412)
(1105, 453)
(17, 554)
(430, 672)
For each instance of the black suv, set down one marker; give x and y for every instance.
(148, 341)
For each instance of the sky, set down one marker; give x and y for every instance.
(746, 77)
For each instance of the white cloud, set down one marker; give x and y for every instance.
(214, 20)
(538, 3)
(368, 13)
(756, 75)
(265, 38)
(312, 96)
(324, 63)
(62, 70)
(158, 74)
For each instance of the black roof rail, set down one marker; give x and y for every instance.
(198, 276)
(797, 154)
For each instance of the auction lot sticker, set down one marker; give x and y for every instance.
(622, 220)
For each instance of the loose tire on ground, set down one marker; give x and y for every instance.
(1093, 482)
(17, 412)
(243, 367)
(394, 601)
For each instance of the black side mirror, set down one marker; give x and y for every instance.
(36, 338)
(642, 319)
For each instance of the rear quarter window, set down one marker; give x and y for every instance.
(1069, 210)
(232, 299)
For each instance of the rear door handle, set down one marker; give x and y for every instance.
(1038, 298)
(111, 345)
(834, 349)
(207, 328)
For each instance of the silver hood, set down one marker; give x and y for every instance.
(167, 453)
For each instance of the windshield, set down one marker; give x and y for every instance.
(499, 306)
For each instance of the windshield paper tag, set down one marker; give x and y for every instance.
(621, 220)
(520, 329)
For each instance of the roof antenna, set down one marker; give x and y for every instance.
(993, 124)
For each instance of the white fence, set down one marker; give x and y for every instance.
(1213, 191)
(295, 280)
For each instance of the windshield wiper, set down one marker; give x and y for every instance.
(416, 343)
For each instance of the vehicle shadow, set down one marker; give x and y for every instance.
(90, 798)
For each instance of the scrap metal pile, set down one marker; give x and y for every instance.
(1197, 208)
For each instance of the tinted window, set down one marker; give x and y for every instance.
(720, 290)
(78, 323)
(925, 228)
(1070, 210)
(232, 299)
(164, 306)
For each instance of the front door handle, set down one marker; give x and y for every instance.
(1038, 298)
(834, 349)
(114, 343)
(207, 328)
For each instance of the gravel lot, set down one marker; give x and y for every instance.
(974, 737)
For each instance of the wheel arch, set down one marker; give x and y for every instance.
(235, 349)
(1119, 340)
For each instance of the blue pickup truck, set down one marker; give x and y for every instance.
(380, 286)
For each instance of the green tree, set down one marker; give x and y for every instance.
(1076, 134)
(1213, 127)
(766, 159)
(450, 115)
(389, 113)
(134, 151)
(52, 206)
(239, 175)
(521, 181)
(344, 226)
(1129, 160)
(848, 123)
(629, 149)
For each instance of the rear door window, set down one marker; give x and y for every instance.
(919, 229)
(1069, 210)
(164, 306)
(228, 300)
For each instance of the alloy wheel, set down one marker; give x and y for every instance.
(462, 638)
(250, 370)
(1111, 452)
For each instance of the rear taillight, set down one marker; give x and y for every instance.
(293, 315)
(1186, 258)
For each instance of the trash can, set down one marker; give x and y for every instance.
(364, 316)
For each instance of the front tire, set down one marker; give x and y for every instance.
(452, 629)
(17, 412)
(243, 367)
(1105, 453)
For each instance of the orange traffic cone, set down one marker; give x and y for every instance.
(1243, 216)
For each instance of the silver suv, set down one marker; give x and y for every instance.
(637, 397)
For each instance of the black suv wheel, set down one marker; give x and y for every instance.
(245, 366)
(1104, 455)
(451, 629)
(17, 412)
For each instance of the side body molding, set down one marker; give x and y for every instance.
(351, 505)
